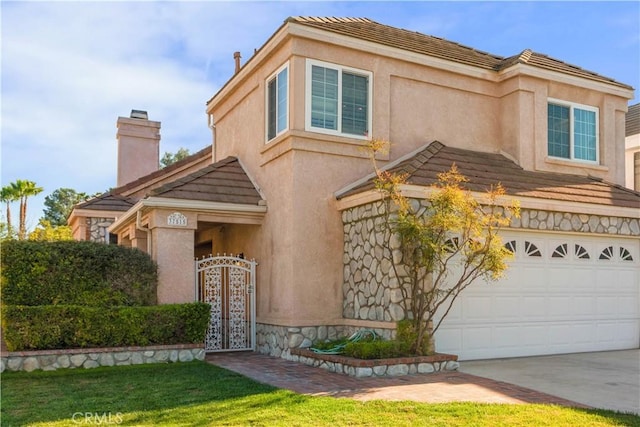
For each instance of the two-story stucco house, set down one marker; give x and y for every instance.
(286, 182)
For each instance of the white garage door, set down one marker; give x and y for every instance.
(561, 294)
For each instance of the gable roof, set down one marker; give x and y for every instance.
(632, 124)
(107, 202)
(486, 169)
(368, 30)
(224, 181)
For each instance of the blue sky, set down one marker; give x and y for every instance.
(69, 69)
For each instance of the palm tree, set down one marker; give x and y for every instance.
(8, 195)
(24, 189)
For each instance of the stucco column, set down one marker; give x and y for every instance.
(172, 237)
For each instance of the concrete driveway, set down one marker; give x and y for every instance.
(606, 380)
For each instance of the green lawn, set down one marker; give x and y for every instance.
(199, 394)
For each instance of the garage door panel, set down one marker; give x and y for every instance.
(583, 333)
(477, 308)
(628, 280)
(558, 307)
(476, 338)
(575, 301)
(627, 306)
(583, 307)
(532, 278)
(506, 336)
(606, 305)
(507, 308)
(534, 307)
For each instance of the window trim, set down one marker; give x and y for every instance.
(341, 69)
(272, 77)
(572, 106)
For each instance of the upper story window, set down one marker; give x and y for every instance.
(572, 131)
(338, 99)
(277, 102)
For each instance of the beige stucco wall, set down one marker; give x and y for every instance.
(632, 146)
(138, 148)
(172, 249)
(300, 244)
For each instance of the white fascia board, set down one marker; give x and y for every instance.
(200, 205)
(420, 192)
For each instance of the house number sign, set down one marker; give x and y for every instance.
(177, 219)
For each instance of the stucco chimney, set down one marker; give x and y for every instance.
(237, 57)
(138, 146)
(636, 171)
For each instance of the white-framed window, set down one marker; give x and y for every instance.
(277, 102)
(572, 131)
(338, 99)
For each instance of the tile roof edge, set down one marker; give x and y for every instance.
(354, 185)
(192, 176)
(614, 185)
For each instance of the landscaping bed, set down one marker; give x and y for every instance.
(398, 366)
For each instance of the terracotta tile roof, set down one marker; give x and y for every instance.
(486, 169)
(632, 125)
(366, 29)
(225, 181)
(107, 202)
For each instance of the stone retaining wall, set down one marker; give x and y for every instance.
(50, 360)
(278, 341)
(379, 367)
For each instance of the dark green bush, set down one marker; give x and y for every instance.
(68, 326)
(76, 273)
(376, 349)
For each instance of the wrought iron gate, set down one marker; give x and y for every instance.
(227, 283)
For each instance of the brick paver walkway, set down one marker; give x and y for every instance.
(431, 388)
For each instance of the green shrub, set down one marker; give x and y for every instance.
(72, 326)
(406, 334)
(376, 349)
(76, 273)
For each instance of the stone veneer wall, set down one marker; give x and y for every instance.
(371, 290)
(97, 229)
(278, 341)
(50, 360)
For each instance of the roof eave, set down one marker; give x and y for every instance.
(245, 210)
(613, 88)
(421, 192)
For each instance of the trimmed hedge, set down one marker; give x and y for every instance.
(72, 326)
(76, 273)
